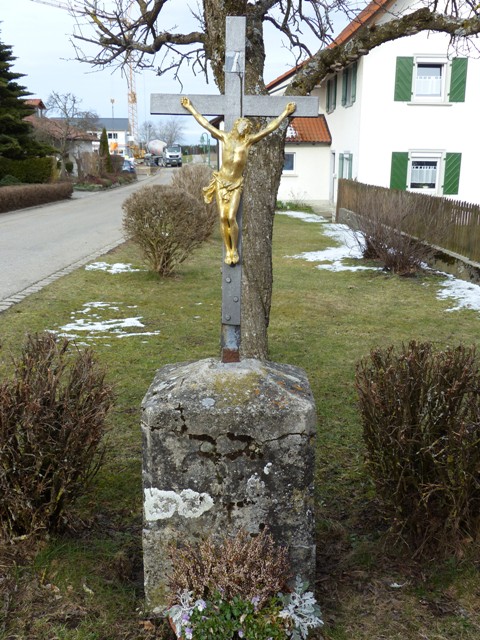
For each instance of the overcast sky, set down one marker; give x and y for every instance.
(40, 37)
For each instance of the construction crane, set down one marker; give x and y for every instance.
(132, 93)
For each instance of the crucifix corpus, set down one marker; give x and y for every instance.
(236, 140)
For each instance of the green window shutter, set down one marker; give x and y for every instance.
(331, 94)
(344, 86)
(398, 175)
(340, 165)
(403, 79)
(458, 79)
(451, 181)
(354, 82)
(350, 167)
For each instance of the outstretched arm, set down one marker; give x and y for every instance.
(186, 104)
(274, 124)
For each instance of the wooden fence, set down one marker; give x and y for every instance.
(452, 224)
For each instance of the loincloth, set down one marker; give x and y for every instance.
(224, 187)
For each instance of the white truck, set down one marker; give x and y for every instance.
(172, 156)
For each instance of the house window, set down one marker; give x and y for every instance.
(113, 136)
(429, 81)
(433, 172)
(423, 174)
(289, 162)
(331, 94)
(349, 85)
(345, 166)
(434, 79)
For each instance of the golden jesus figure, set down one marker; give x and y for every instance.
(227, 183)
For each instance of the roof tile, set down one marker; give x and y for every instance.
(308, 130)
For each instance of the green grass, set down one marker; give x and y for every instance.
(87, 584)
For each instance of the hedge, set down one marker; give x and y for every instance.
(31, 171)
(32, 195)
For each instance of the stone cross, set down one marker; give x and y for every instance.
(231, 105)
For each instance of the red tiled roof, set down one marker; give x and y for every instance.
(363, 18)
(54, 127)
(285, 75)
(308, 130)
(36, 102)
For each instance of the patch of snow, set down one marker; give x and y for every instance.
(118, 267)
(114, 326)
(467, 294)
(301, 215)
(337, 266)
(96, 326)
(351, 245)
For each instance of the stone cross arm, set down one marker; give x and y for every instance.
(220, 105)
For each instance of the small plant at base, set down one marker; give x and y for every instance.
(282, 617)
(222, 598)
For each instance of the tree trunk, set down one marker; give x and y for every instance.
(261, 186)
(262, 176)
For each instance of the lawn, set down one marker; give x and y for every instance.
(87, 583)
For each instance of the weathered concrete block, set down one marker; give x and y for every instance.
(225, 447)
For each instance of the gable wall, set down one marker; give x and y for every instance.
(309, 181)
(387, 126)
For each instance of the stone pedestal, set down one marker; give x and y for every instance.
(226, 447)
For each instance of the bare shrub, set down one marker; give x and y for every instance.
(421, 425)
(384, 240)
(90, 163)
(399, 228)
(32, 195)
(167, 223)
(242, 566)
(191, 179)
(52, 419)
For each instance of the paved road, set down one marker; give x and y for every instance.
(40, 244)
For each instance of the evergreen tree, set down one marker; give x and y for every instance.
(16, 140)
(104, 151)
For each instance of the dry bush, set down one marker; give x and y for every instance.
(399, 252)
(32, 195)
(90, 163)
(52, 419)
(421, 425)
(192, 179)
(242, 566)
(399, 228)
(167, 223)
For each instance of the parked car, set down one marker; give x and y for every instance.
(172, 156)
(128, 166)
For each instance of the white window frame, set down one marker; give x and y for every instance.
(347, 165)
(427, 156)
(290, 172)
(440, 61)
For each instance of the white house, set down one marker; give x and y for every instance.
(306, 156)
(403, 116)
(117, 134)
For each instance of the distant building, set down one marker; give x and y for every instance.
(71, 142)
(38, 105)
(118, 134)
